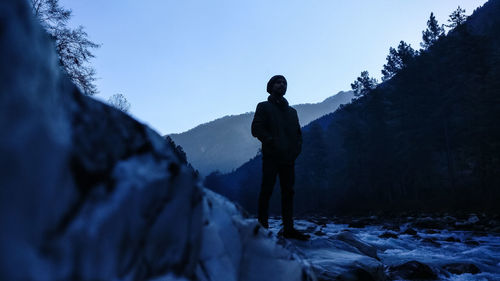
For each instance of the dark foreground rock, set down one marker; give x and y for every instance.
(355, 242)
(429, 222)
(343, 256)
(461, 268)
(452, 239)
(410, 231)
(388, 235)
(88, 193)
(337, 252)
(412, 270)
(431, 241)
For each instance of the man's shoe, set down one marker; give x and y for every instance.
(295, 234)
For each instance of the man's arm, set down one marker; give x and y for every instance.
(299, 132)
(259, 125)
(300, 140)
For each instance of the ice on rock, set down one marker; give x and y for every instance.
(350, 253)
(235, 248)
(342, 256)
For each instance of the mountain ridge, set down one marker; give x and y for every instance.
(425, 140)
(225, 143)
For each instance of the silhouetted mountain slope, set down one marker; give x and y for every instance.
(428, 139)
(226, 143)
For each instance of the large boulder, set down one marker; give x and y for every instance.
(461, 268)
(89, 193)
(342, 257)
(237, 249)
(412, 270)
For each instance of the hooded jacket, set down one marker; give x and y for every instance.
(277, 126)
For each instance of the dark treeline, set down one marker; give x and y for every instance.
(427, 139)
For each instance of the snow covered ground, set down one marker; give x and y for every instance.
(403, 249)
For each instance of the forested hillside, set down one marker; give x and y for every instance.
(226, 143)
(427, 138)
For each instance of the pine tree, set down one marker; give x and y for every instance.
(432, 33)
(178, 150)
(72, 45)
(398, 60)
(363, 84)
(457, 18)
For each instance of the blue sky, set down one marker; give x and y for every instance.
(181, 63)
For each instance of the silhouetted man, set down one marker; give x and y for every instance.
(277, 126)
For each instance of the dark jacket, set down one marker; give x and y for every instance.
(277, 126)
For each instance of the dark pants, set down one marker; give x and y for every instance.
(286, 172)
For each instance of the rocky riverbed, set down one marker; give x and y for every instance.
(424, 247)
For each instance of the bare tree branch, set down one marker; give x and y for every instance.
(72, 44)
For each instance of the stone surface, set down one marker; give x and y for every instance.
(413, 270)
(342, 256)
(461, 268)
(388, 234)
(410, 231)
(89, 193)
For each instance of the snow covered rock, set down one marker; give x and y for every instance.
(343, 257)
(237, 249)
(337, 253)
(88, 193)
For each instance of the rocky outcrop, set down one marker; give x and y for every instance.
(412, 270)
(238, 249)
(343, 251)
(88, 193)
(461, 268)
